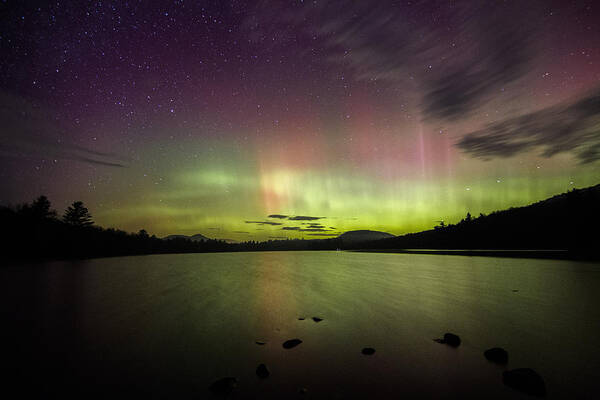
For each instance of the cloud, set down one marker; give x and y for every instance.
(263, 222)
(503, 55)
(278, 237)
(572, 127)
(240, 232)
(299, 229)
(280, 216)
(323, 234)
(304, 218)
(30, 131)
(457, 53)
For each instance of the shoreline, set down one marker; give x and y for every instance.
(540, 254)
(504, 253)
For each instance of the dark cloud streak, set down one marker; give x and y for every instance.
(484, 46)
(29, 131)
(263, 222)
(569, 127)
(304, 218)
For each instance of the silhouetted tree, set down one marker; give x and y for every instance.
(143, 233)
(77, 215)
(468, 217)
(40, 208)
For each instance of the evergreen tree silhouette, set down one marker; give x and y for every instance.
(78, 215)
(40, 208)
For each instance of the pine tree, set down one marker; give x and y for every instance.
(468, 218)
(40, 208)
(77, 215)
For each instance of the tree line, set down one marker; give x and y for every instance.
(35, 231)
(40, 209)
(567, 222)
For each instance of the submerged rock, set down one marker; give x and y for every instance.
(301, 318)
(260, 343)
(450, 339)
(317, 319)
(496, 355)
(224, 386)
(288, 344)
(368, 351)
(262, 371)
(525, 380)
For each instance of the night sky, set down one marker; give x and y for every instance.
(285, 119)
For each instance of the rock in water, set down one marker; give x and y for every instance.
(301, 318)
(262, 371)
(525, 380)
(258, 342)
(367, 351)
(224, 386)
(288, 344)
(317, 319)
(496, 355)
(451, 339)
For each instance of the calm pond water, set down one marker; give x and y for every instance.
(169, 325)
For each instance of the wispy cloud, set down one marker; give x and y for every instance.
(28, 131)
(299, 229)
(565, 128)
(280, 216)
(263, 222)
(486, 44)
(304, 218)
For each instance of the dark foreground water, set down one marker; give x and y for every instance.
(167, 326)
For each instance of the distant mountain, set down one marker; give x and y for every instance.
(194, 238)
(198, 237)
(363, 236)
(176, 237)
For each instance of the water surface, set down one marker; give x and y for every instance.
(169, 325)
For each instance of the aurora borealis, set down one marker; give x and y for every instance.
(183, 117)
